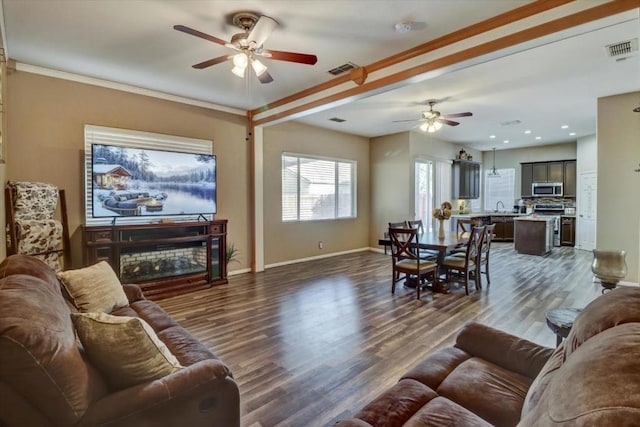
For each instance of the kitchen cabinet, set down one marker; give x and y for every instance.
(526, 179)
(533, 236)
(568, 231)
(466, 179)
(570, 188)
(555, 171)
(548, 171)
(504, 228)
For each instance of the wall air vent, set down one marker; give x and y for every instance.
(622, 48)
(337, 119)
(343, 68)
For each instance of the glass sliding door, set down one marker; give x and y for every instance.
(424, 192)
(432, 188)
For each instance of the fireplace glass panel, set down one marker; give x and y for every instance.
(158, 261)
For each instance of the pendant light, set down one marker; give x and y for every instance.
(493, 173)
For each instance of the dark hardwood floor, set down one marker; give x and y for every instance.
(312, 343)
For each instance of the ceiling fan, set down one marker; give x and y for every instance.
(249, 45)
(433, 120)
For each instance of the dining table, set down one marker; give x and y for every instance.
(432, 241)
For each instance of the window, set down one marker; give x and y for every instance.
(499, 189)
(432, 187)
(317, 188)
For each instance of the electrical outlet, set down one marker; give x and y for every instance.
(321, 245)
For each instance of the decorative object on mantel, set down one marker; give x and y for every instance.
(609, 267)
(442, 213)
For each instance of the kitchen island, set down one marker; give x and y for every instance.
(533, 234)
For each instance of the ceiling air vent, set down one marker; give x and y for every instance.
(343, 68)
(622, 48)
(510, 123)
(337, 119)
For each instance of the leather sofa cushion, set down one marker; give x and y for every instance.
(607, 311)
(24, 264)
(598, 385)
(94, 289)
(440, 412)
(125, 349)
(490, 391)
(39, 357)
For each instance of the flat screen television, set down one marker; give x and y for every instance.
(138, 182)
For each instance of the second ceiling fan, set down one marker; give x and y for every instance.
(433, 120)
(248, 46)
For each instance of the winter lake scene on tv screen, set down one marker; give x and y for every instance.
(135, 182)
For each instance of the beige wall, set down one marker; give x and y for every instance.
(390, 182)
(294, 241)
(587, 154)
(618, 215)
(46, 118)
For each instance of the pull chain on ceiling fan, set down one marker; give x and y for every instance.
(249, 45)
(432, 120)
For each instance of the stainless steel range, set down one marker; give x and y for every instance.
(554, 210)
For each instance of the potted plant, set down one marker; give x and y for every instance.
(232, 253)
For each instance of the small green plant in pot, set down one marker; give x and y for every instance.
(232, 253)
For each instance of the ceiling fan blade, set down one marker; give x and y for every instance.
(199, 34)
(261, 31)
(467, 114)
(302, 58)
(448, 122)
(213, 61)
(412, 120)
(265, 77)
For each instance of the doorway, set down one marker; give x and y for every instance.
(586, 215)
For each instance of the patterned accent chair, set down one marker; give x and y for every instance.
(31, 226)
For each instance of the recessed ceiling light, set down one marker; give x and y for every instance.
(572, 134)
(564, 126)
(492, 136)
(538, 137)
(506, 141)
(527, 131)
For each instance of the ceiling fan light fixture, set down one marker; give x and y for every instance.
(240, 60)
(238, 72)
(258, 67)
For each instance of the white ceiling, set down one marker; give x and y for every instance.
(133, 42)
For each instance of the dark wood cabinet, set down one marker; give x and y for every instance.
(526, 179)
(504, 228)
(570, 187)
(163, 259)
(540, 172)
(568, 231)
(466, 179)
(555, 171)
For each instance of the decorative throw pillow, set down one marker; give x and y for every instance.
(95, 288)
(125, 350)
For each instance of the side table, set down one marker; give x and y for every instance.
(560, 321)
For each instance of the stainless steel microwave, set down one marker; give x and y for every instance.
(549, 189)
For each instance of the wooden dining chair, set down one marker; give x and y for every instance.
(483, 257)
(464, 227)
(462, 268)
(427, 254)
(405, 260)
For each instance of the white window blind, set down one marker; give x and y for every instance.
(499, 189)
(133, 139)
(315, 188)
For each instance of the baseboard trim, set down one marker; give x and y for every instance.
(236, 272)
(299, 260)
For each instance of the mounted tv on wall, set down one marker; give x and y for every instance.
(138, 182)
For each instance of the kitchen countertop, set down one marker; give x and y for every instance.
(545, 218)
(481, 214)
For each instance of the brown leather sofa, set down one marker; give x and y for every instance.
(46, 379)
(492, 378)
